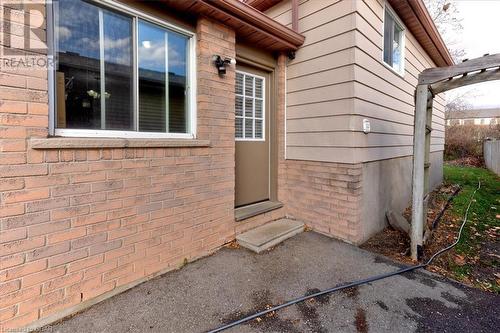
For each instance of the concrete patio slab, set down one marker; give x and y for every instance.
(269, 234)
(235, 282)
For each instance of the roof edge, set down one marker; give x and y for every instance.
(432, 30)
(254, 17)
(420, 12)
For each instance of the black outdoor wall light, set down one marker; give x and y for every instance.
(222, 63)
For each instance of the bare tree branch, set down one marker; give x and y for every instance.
(445, 15)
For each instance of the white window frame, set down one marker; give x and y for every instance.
(190, 84)
(397, 20)
(253, 110)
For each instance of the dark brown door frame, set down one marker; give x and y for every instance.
(255, 59)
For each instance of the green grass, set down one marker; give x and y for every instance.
(482, 214)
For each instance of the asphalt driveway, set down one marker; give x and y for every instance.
(235, 282)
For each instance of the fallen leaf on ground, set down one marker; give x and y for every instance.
(233, 245)
(459, 260)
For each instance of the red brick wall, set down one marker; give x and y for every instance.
(77, 223)
(326, 196)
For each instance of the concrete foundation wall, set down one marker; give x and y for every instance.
(436, 174)
(386, 185)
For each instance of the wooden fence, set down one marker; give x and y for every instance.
(491, 152)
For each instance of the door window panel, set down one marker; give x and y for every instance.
(249, 107)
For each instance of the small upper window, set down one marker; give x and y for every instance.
(393, 41)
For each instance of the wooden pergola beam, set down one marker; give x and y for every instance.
(434, 75)
(489, 75)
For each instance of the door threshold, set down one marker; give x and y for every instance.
(245, 212)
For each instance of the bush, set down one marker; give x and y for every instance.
(463, 141)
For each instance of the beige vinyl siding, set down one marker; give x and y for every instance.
(376, 84)
(320, 87)
(338, 78)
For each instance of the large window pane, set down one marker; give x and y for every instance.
(118, 88)
(118, 72)
(177, 71)
(94, 43)
(78, 76)
(162, 80)
(152, 78)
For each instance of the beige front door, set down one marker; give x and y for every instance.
(252, 136)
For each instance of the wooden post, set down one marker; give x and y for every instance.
(428, 130)
(417, 213)
(427, 162)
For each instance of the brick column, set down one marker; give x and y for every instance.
(216, 100)
(280, 124)
(23, 114)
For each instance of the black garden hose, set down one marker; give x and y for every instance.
(355, 283)
(440, 215)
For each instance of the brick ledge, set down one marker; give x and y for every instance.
(75, 143)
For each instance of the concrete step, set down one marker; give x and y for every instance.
(270, 234)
